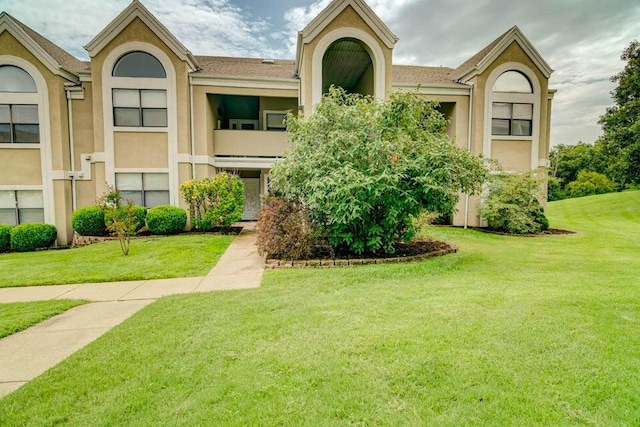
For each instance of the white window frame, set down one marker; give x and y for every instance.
(169, 84)
(516, 98)
(41, 99)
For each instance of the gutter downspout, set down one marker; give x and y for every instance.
(466, 198)
(192, 130)
(72, 152)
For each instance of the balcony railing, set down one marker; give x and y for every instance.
(256, 143)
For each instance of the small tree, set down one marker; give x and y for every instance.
(512, 204)
(214, 202)
(122, 221)
(364, 168)
(124, 224)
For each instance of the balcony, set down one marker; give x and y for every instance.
(251, 143)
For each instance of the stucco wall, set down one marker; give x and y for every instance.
(141, 150)
(20, 166)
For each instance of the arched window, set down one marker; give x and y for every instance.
(138, 64)
(134, 107)
(512, 117)
(16, 80)
(513, 81)
(19, 121)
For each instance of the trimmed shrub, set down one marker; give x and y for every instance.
(589, 183)
(137, 213)
(89, 221)
(31, 236)
(5, 237)
(512, 205)
(166, 220)
(214, 202)
(284, 229)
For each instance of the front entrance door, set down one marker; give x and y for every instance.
(251, 198)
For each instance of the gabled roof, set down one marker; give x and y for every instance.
(481, 60)
(131, 12)
(336, 7)
(57, 60)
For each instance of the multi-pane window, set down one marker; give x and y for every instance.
(20, 206)
(140, 107)
(19, 123)
(144, 189)
(512, 119)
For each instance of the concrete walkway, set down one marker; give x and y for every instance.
(29, 353)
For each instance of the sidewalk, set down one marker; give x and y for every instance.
(29, 353)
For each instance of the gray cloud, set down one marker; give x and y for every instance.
(582, 40)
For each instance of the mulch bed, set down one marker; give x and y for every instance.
(404, 252)
(548, 232)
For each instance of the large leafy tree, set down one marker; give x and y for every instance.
(620, 143)
(364, 168)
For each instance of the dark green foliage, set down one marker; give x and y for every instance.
(621, 123)
(31, 236)
(588, 183)
(215, 202)
(166, 220)
(512, 205)
(137, 215)
(5, 238)
(89, 221)
(285, 229)
(364, 168)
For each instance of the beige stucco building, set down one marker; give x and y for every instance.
(145, 114)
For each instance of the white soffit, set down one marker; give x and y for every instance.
(137, 10)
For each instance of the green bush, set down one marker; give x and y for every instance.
(285, 231)
(138, 215)
(166, 220)
(89, 221)
(365, 169)
(512, 205)
(31, 236)
(5, 238)
(214, 202)
(589, 183)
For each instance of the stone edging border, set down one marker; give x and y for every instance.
(346, 262)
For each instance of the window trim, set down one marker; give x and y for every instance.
(169, 84)
(511, 120)
(525, 98)
(142, 173)
(12, 130)
(41, 99)
(140, 109)
(17, 208)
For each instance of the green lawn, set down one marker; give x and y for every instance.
(184, 255)
(508, 331)
(18, 316)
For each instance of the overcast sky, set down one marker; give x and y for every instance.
(581, 39)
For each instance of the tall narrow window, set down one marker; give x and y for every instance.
(512, 118)
(133, 106)
(19, 121)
